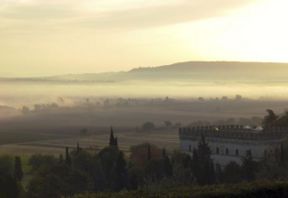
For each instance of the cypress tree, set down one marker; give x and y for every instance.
(116, 142)
(67, 156)
(167, 167)
(203, 164)
(78, 148)
(112, 139)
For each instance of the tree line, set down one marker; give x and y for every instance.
(147, 167)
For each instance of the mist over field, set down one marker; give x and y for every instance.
(183, 94)
(182, 80)
(35, 111)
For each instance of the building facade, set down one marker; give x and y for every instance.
(233, 143)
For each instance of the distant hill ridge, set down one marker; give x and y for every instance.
(195, 70)
(202, 65)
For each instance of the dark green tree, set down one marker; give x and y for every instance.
(116, 141)
(9, 187)
(113, 168)
(157, 169)
(166, 164)
(203, 167)
(67, 156)
(98, 175)
(219, 175)
(270, 119)
(42, 162)
(182, 168)
(58, 181)
(232, 173)
(249, 168)
(78, 148)
(120, 173)
(18, 172)
(148, 126)
(282, 120)
(112, 139)
(153, 171)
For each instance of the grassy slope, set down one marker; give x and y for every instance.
(263, 189)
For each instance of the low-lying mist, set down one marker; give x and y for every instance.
(19, 94)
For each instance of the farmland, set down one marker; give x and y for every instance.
(55, 144)
(49, 128)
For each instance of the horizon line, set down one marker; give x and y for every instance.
(140, 67)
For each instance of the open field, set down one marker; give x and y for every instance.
(162, 138)
(48, 130)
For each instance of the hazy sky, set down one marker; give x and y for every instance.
(47, 37)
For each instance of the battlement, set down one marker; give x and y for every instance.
(234, 132)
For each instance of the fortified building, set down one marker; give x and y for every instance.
(234, 142)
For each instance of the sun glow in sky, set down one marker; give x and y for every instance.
(48, 37)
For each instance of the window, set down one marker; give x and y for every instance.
(190, 148)
(227, 151)
(217, 150)
(236, 152)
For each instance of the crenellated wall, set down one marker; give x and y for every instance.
(233, 132)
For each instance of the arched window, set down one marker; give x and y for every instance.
(236, 152)
(227, 151)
